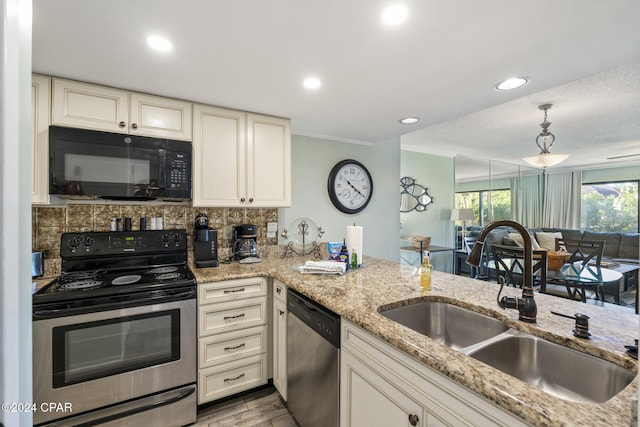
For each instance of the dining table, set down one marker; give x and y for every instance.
(577, 277)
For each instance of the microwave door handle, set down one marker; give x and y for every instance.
(162, 173)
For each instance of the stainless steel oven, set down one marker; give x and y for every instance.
(116, 344)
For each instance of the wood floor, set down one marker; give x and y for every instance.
(262, 408)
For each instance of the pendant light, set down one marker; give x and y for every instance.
(545, 158)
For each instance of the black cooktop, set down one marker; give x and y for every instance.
(103, 264)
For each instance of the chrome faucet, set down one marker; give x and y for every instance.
(526, 306)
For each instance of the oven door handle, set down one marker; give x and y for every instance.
(142, 298)
(182, 395)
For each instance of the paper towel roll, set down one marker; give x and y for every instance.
(354, 241)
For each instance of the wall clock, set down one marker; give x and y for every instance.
(350, 186)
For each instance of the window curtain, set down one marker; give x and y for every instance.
(526, 200)
(562, 199)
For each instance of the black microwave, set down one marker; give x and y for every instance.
(92, 164)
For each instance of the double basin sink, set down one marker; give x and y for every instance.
(560, 371)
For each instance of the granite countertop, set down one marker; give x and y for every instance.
(357, 295)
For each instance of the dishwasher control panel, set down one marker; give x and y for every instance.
(322, 320)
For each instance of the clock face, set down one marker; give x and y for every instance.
(350, 186)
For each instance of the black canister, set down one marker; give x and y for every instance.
(143, 223)
(127, 224)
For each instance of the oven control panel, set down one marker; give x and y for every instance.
(118, 242)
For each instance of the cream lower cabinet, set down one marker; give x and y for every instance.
(89, 106)
(279, 330)
(233, 337)
(381, 386)
(40, 102)
(240, 159)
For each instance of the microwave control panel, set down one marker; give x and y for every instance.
(178, 171)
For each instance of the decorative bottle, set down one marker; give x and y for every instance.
(425, 273)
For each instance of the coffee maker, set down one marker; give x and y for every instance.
(205, 245)
(245, 241)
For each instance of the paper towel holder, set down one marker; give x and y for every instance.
(413, 196)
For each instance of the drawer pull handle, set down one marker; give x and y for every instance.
(234, 379)
(233, 317)
(413, 419)
(230, 291)
(234, 347)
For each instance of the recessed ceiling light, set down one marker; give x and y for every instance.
(409, 120)
(512, 83)
(394, 15)
(159, 43)
(312, 83)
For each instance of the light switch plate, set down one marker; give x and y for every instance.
(272, 229)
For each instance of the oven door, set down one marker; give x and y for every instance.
(93, 360)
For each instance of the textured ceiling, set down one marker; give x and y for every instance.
(441, 65)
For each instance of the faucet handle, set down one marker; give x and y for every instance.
(582, 324)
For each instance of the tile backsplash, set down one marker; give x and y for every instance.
(50, 222)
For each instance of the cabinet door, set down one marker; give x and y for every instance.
(280, 346)
(88, 106)
(40, 98)
(162, 117)
(218, 157)
(269, 161)
(369, 400)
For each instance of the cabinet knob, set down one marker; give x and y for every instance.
(243, 200)
(281, 312)
(122, 124)
(250, 199)
(134, 125)
(279, 290)
(413, 419)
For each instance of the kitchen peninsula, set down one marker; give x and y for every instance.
(357, 295)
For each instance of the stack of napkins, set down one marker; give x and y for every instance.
(323, 267)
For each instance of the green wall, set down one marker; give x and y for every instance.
(437, 174)
(312, 160)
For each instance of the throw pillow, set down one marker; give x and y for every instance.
(547, 240)
(516, 237)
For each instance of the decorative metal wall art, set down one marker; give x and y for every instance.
(413, 196)
(303, 241)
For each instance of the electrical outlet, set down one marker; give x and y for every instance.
(272, 229)
(227, 232)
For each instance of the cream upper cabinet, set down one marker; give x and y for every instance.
(162, 117)
(240, 159)
(40, 101)
(268, 161)
(89, 106)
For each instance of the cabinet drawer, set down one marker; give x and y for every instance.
(231, 316)
(224, 348)
(279, 291)
(229, 290)
(230, 378)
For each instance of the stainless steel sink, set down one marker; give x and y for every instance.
(560, 371)
(446, 323)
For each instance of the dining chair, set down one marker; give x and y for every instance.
(479, 272)
(583, 254)
(509, 264)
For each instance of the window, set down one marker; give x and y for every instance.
(489, 205)
(610, 206)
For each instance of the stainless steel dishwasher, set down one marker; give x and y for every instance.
(313, 362)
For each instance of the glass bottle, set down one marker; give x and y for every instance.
(354, 259)
(425, 273)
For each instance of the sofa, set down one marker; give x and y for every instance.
(620, 247)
